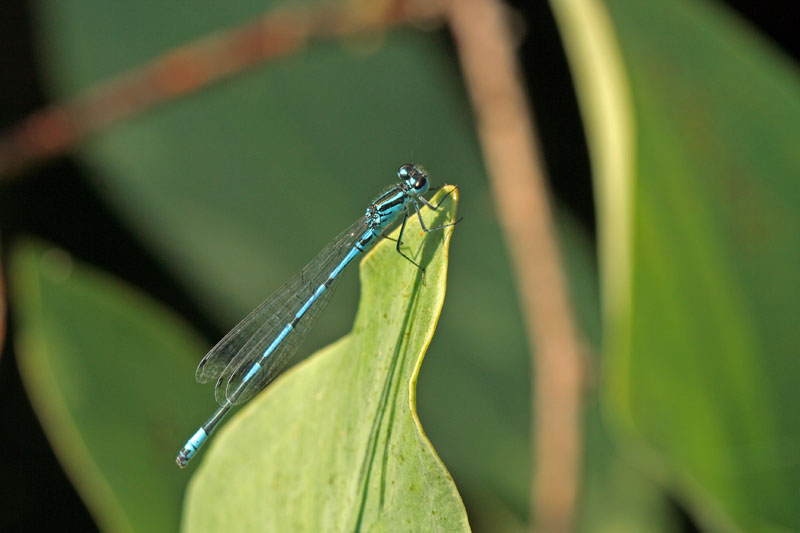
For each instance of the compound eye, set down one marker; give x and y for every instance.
(404, 171)
(420, 183)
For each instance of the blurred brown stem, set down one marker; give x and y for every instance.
(198, 64)
(519, 186)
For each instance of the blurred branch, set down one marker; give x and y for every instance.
(189, 68)
(519, 186)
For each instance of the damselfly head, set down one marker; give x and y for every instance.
(414, 176)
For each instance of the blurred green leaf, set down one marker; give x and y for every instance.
(614, 496)
(702, 332)
(109, 374)
(336, 443)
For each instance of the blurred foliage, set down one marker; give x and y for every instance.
(109, 373)
(702, 364)
(235, 187)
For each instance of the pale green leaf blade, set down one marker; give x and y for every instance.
(335, 444)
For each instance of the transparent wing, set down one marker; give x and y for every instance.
(243, 344)
(277, 360)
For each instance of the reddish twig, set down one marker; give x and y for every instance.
(518, 183)
(196, 65)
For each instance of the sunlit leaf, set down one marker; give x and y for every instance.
(336, 443)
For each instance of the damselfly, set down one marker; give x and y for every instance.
(254, 352)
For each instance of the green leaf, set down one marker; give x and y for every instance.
(615, 496)
(110, 376)
(693, 122)
(335, 444)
